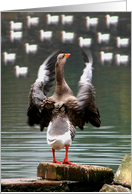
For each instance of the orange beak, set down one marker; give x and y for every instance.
(67, 55)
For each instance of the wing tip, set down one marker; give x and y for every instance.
(87, 55)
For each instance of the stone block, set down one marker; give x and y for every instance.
(123, 173)
(81, 173)
(114, 188)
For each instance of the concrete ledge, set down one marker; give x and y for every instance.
(42, 185)
(32, 185)
(81, 173)
(29, 182)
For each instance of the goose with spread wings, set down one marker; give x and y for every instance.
(62, 112)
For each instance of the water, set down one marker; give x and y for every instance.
(23, 147)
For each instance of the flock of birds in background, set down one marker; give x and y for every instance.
(16, 34)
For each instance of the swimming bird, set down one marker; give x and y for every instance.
(9, 57)
(84, 42)
(111, 20)
(52, 19)
(106, 58)
(15, 35)
(45, 35)
(16, 25)
(103, 38)
(122, 42)
(32, 21)
(91, 22)
(66, 19)
(21, 71)
(31, 48)
(67, 36)
(121, 59)
(62, 112)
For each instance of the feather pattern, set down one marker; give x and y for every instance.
(42, 85)
(86, 94)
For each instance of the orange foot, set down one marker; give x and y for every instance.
(65, 161)
(55, 161)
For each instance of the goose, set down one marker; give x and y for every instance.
(121, 59)
(45, 35)
(15, 35)
(15, 25)
(111, 20)
(62, 112)
(21, 71)
(106, 57)
(103, 38)
(54, 19)
(91, 22)
(9, 57)
(32, 48)
(122, 42)
(32, 21)
(66, 19)
(67, 36)
(84, 42)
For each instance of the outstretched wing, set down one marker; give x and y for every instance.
(83, 108)
(86, 94)
(42, 85)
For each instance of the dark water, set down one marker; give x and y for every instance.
(23, 147)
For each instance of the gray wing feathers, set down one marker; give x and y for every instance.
(86, 94)
(43, 83)
(46, 72)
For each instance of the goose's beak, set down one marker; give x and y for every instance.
(67, 55)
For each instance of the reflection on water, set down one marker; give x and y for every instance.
(22, 147)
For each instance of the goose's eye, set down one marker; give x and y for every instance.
(62, 57)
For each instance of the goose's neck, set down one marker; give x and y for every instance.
(62, 89)
(59, 72)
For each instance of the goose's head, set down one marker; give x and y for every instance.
(61, 58)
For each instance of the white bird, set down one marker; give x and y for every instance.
(111, 20)
(45, 35)
(106, 57)
(31, 48)
(103, 38)
(67, 36)
(121, 59)
(9, 57)
(122, 42)
(15, 25)
(84, 42)
(15, 35)
(21, 71)
(52, 19)
(32, 21)
(66, 19)
(91, 22)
